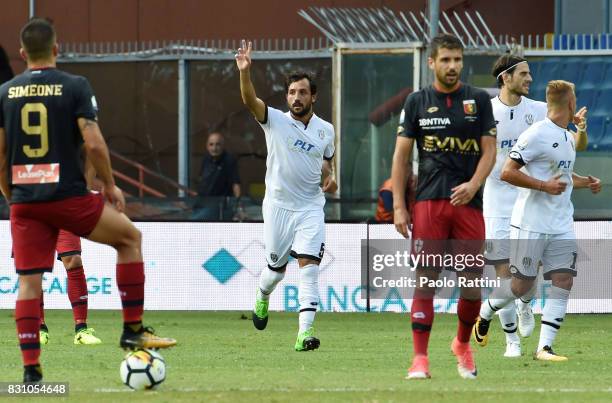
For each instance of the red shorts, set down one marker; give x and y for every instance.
(35, 228)
(435, 220)
(68, 244)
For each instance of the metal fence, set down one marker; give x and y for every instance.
(159, 99)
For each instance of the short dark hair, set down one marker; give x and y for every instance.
(38, 38)
(506, 63)
(446, 41)
(300, 75)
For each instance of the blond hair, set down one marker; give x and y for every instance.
(558, 92)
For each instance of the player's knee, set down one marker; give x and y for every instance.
(470, 293)
(279, 269)
(30, 286)
(565, 281)
(503, 270)
(136, 237)
(305, 262)
(72, 262)
(132, 238)
(521, 287)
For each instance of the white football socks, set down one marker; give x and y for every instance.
(308, 295)
(509, 320)
(498, 299)
(553, 315)
(523, 302)
(268, 279)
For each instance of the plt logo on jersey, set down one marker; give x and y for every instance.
(301, 146)
(508, 143)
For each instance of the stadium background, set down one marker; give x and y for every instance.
(164, 76)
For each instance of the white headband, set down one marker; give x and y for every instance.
(510, 68)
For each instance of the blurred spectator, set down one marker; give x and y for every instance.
(384, 209)
(515, 48)
(217, 183)
(6, 73)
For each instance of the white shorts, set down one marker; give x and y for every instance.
(497, 246)
(556, 252)
(300, 234)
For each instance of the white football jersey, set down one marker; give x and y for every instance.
(499, 196)
(295, 158)
(546, 150)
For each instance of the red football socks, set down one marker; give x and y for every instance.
(422, 316)
(27, 317)
(42, 308)
(467, 312)
(130, 281)
(77, 294)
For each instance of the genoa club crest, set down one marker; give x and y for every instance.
(469, 107)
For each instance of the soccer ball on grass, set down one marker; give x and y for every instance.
(143, 369)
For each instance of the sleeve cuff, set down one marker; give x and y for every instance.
(87, 115)
(516, 157)
(491, 132)
(265, 119)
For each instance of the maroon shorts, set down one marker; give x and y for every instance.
(439, 227)
(35, 228)
(68, 244)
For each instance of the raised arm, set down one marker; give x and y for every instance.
(247, 90)
(98, 156)
(4, 182)
(580, 136)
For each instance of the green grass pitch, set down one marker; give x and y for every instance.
(363, 358)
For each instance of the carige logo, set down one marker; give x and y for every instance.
(54, 285)
(224, 266)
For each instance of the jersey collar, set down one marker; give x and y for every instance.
(508, 106)
(459, 89)
(312, 117)
(551, 123)
(41, 68)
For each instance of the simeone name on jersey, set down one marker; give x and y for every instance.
(35, 90)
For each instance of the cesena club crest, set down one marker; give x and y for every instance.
(529, 119)
(321, 134)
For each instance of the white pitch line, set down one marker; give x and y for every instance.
(364, 390)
